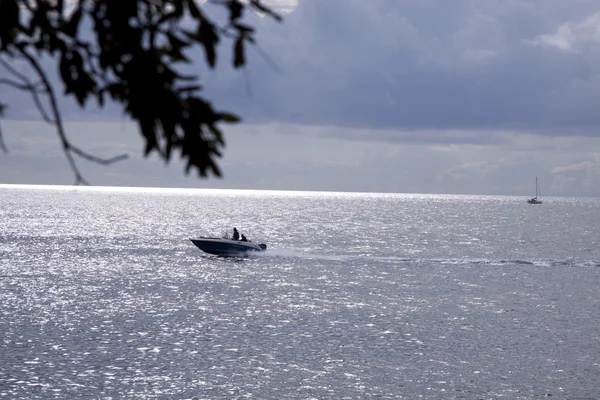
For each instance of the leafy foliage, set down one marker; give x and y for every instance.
(131, 57)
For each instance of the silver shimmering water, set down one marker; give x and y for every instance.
(358, 296)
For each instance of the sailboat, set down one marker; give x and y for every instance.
(538, 195)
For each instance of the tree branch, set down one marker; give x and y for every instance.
(20, 86)
(28, 86)
(13, 71)
(131, 57)
(68, 149)
(97, 160)
(57, 116)
(267, 58)
(31, 88)
(2, 144)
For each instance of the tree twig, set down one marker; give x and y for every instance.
(20, 86)
(57, 116)
(68, 149)
(97, 160)
(247, 80)
(2, 144)
(267, 58)
(30, 87)
(13, 71)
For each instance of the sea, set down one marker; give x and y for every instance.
(358, 296)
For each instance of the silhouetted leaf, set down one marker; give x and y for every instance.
(165, 17)
(148, 149)
(147, 127)
(257, 4)
(242, 27)
(176, 46)
(218, 134)
(71, 27)
(64, 69)
(235, 10)
(194, 11)
(209, 39)
(169, 134)
(100, 98)
(192, 35)
(228, 117)
(191, 88)
(176, 42)
(9, 21)
(239, 58)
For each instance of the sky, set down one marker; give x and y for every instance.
(403, 96)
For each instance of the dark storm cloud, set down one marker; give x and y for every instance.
(432, 64)
(437, 64)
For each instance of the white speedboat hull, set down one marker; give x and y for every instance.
(227, 247)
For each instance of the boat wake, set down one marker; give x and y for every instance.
(311, 255)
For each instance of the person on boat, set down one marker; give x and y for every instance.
(244, 238)
(236, 234)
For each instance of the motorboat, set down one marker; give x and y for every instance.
(226, 247)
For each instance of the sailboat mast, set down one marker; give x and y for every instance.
(538, 194)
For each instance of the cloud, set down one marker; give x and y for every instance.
(573, 36)
(575, 167)
(401, 65)
(388, 64)
(578, 178)
(466, 170)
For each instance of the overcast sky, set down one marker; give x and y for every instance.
(428, 96)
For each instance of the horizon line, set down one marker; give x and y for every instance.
(289, 192)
